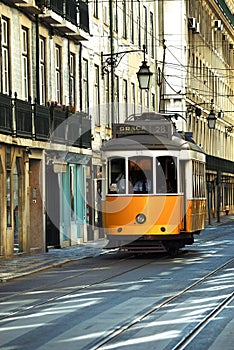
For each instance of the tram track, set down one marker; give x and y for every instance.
(133, 255)
(114, 332)
(121, 329)
(192, 335)
(53, 299)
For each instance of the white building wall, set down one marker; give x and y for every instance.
(15, 41)
(197, 71)
(127, 66)
(175, 59)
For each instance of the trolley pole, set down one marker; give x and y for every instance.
(112, 83)
(218, 194)
(209, 195)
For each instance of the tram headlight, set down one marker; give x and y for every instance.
(140, 218)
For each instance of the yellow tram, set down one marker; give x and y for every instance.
(153, 196)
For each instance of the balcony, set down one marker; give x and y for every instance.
(5, 114)
(71, 129)
(41, 122)
(54, 123)
(82, 32)
(58, 124)
(23, 118)
(71, 11)
(17, 2)
(66, 27)
(79, 130)
(83, 16)
(67, 16)
(31, 6)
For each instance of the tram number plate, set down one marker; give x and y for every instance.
(161, 129)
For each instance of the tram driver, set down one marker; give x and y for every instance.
(142, 184)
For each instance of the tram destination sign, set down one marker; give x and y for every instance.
(153, 128)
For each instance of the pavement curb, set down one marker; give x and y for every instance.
(20, 266)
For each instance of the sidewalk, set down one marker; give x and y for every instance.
(24, 265)
(224, 219)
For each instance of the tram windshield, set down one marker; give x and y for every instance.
(139, 175)
(140, 171)
(166, 175)
(116, 175)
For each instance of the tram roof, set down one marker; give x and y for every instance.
(153, 131)
(151, 142)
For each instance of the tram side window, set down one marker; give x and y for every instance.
(116, 175)
(166, 174)
(140, 174)
(198, 179)
(202, 180)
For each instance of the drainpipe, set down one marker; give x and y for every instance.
(80, 79)
(69, 72)
(37, 61)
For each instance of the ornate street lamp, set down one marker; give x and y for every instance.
(211, 119)
(144, 74)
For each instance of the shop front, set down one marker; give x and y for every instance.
(66, 199)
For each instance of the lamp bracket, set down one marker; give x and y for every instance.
(108, 59)
(229, 128)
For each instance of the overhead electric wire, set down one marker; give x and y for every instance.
(189, 70)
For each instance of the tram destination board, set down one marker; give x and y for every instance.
(154, 128)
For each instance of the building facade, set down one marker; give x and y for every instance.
(45, 151)
(198, 71)
(68, 72)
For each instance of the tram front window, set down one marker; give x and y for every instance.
(140, 174)
(116, 176)
(166, 175)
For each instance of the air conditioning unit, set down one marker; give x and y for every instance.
(197, 29)
(192, 23)
(218, 24)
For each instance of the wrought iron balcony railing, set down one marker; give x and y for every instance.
(41, 122)
(79, 130)
(23, 118)
(52, 123)
(5, 114)
(71, 128)
(73, 11)
(54, 5)
(83, 15)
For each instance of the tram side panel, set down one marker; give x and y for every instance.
(196, 213)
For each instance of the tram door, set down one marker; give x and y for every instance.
(52, 208)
